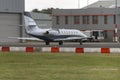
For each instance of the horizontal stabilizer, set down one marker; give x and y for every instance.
(26, 38)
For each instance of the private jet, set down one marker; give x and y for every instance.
(51, 35)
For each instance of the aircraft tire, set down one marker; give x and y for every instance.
(47, 43)
(61, 43)
(80, 42)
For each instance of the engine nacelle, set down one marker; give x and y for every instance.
(52, 32)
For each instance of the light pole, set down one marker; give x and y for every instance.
(116, 24)
(115, 3)
(78, 3)
(87, 2)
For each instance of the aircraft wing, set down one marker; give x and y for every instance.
(26, 38)
(69, 38)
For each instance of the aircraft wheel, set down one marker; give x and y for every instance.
(61, 43)
(80, 42)
(47, 43)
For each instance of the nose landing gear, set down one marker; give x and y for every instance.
(61, 43)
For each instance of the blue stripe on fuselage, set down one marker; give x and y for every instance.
(52, 37)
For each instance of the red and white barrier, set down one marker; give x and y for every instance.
(46, 49)
(60, 50)
(5, 49)
(15, 49)
(68, 50)
(22, 49)
(92, 50)
(80, 50)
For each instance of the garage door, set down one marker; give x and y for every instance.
(9, 27)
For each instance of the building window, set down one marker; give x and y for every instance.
(57, 20)
(114, 19)
(105, 19)
(86, 20)
(66, 19)
(95, 19)
(76, 20)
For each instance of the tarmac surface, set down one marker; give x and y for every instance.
(65, 44)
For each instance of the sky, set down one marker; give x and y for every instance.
(62, 4)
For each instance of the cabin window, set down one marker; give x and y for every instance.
(72, 33)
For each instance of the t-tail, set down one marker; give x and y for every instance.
(30, 24)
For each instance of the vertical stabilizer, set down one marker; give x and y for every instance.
(30, 23)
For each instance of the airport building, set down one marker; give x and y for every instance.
(42, 20)
(104, 4)
(99, 21)
(11, 20)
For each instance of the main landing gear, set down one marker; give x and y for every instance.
(61, 43)
(47, 43)
(81, 42)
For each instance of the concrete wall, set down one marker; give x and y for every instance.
(11, 5)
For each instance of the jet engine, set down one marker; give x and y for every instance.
(52, 32)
